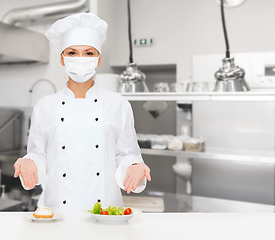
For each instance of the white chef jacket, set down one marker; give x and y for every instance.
(78, 144)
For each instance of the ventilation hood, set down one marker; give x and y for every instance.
(20, 45)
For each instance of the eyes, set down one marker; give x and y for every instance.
(88, 54)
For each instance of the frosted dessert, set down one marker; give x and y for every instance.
(43, 212)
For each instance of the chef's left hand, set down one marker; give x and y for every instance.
(134, 174)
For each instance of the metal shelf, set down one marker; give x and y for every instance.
(218, 154)
(203, 96)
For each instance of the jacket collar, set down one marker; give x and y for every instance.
(89, 94)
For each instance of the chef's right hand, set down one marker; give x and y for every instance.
(28, 171)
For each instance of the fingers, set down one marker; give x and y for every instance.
(32, 181)
(36, 177)
(147, 175)
(25, 178)
(17, 171)
(134, 175)
(132, 185)
(135, 184)
(126, 178)
(28, 171)
(29, 180)
(136, 181)
(129, 185)
(147, 172)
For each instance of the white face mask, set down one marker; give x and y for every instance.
(80, 69)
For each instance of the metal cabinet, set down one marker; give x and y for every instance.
(238, 163)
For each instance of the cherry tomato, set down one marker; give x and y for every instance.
(127, 211)
(104, 213)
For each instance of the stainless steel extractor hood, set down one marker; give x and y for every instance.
(19, 45)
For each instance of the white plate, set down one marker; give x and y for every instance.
(115, 218)
(33, 218)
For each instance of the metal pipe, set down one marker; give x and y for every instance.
(227, 53)
(130, 34)
(43, 80)
(48, 10)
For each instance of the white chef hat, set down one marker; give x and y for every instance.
(78, 29)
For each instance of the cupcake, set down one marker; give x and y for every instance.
(43, 212)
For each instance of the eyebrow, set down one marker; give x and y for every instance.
(85, 49)
(69, 48)
(91, 49)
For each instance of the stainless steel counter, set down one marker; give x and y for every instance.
(219, 154)
(9, 205)
(11, 156)
(151, 201)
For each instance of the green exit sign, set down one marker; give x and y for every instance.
(143, 41)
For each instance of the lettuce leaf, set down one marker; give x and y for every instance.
(96, 209)
(121, 210)
(111, 209)
(114, 210)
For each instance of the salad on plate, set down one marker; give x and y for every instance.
(112, 214)
(111, 210)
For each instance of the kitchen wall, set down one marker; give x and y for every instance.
(181, 29)
(17, 79)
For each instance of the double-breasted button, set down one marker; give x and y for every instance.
(96, 146)
(62, 119)
(99, 200)
(64, 202)
(63, 147)
(95, 100)
(63, 103)
(97, 174)
(64, 175)
(96, 119)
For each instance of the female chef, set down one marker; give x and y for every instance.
(82, 145)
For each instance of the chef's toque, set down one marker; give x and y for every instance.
(78, 29)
